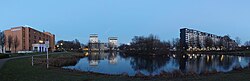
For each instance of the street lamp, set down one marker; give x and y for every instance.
(61, 46)
(40, 41)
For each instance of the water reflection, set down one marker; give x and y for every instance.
(118, 63)
(149, 64)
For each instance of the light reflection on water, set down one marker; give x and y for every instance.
(119, 63)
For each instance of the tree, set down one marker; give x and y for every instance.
(238, 41)
(2, 40)
(208, 42)
(10, 41)
(176, 43)
(147, 45)
(198, 42)
(220, 44)
(16, 43)
(70, 45)
(227, 41)
(247, 43)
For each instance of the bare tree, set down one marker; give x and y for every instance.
(198, 42)
(227, 41)
(16, 43)
(247, 43)
(10, 41)
(220, 44)
(176, 43)
(2, 40)
(208, 42)
(238, 41)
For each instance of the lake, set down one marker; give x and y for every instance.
(120, 63)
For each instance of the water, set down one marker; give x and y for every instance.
(119, 63)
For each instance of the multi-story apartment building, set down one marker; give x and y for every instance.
(112, 42)
(28, 39)
(191, 39)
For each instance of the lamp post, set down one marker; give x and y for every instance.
(61, 44)
(47, 46)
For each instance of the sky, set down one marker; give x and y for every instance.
(76, 19)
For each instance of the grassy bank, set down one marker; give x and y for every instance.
(65, 59)
(21, 70)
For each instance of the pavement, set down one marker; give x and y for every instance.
(3, 61)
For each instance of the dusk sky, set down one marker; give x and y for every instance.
(76, 19)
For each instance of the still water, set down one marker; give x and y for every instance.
(119, 63)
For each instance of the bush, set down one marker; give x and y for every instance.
(4, 56)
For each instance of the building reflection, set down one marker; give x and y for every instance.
(202, 63)
(112, 57)
(182, 59)
(148, 64)
(115, 62)
(94, 58)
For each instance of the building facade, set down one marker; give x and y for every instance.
(27, 39)
(2, 49)
(191, 39)
(112, 42)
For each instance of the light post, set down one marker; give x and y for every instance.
(47, 46)
(61, 44)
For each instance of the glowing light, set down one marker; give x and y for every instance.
(240, 59)
(86, 54)
(221, 58)
(174, 55)
(207, 58)
(40, 41)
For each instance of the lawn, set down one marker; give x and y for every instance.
(21, 70)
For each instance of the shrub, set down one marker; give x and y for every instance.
(4, 56)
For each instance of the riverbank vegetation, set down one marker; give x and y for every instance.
(59, 60)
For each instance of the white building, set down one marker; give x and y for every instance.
(2, 50)
(113, 42)
(93, 38)
(39, 47)
(193, 39)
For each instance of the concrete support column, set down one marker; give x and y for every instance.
(45, 49)
(39, 49)
(33, 48)
(42, 49)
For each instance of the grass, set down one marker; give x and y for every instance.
(21, 70)
(2, 56)
(247, 51)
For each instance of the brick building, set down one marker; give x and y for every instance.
(28, 39)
